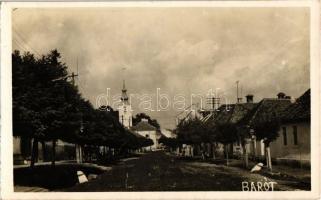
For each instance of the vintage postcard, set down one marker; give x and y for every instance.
(160, 100)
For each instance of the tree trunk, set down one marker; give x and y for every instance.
(53, 157)
(34, 153)
(210, 150)
(226, 147)
(268, 156)
(43, 144)
(110, 153)
(78, 153)
(254, 148)
(245, 154)
(213, 151)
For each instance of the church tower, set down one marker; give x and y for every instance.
(125, 109)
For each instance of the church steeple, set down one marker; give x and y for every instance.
(125, 109)
(124, 96)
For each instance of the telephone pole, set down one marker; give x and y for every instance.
(238, 99)
(77, 146)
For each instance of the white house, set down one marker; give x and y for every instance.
(144, 129)
(293, 143)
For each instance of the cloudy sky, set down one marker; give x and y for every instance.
(179, 50)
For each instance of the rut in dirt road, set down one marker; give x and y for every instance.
(157, 171)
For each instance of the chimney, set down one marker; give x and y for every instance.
(281, 95)
(249, 98)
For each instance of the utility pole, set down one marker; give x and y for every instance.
(238, 99)
(77, 146)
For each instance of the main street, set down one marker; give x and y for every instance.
(159, 171)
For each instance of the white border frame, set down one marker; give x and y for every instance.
(6, 105)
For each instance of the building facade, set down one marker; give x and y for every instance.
(293, 144)
(144, 129)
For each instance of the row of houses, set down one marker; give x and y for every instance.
(293, 142)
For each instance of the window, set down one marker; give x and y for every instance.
(295, 135)
(285, 141)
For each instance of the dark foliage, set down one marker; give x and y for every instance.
(47, 106)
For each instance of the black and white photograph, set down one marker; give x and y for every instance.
(160, 98)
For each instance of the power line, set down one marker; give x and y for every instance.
(24, 41)
(19, 45)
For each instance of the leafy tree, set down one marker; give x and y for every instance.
(226, 134)
(47, 107)
(141, 116)
(189, 131)
(44, 103)
(170, 142)
(268, 132)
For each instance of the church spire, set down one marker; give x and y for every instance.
(124, 88)
(124, 96)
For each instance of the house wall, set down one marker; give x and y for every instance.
(64, 151)
(16, 145)
(299, 152)
(151, 135)
(22, 148)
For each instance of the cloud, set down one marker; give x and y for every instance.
(180, 50)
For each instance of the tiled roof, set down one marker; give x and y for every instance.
(299, 111)
(232, 113)
(143, 126)
(267, 109)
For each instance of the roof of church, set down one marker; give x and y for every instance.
(143, 126)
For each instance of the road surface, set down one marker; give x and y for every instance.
(159, 171)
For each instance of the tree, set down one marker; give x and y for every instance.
(170, 142)
(44, 103)
(102, 128)
(226, 134)
(268, 132)
(189, 131)
(47, 107)
(141, 116)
